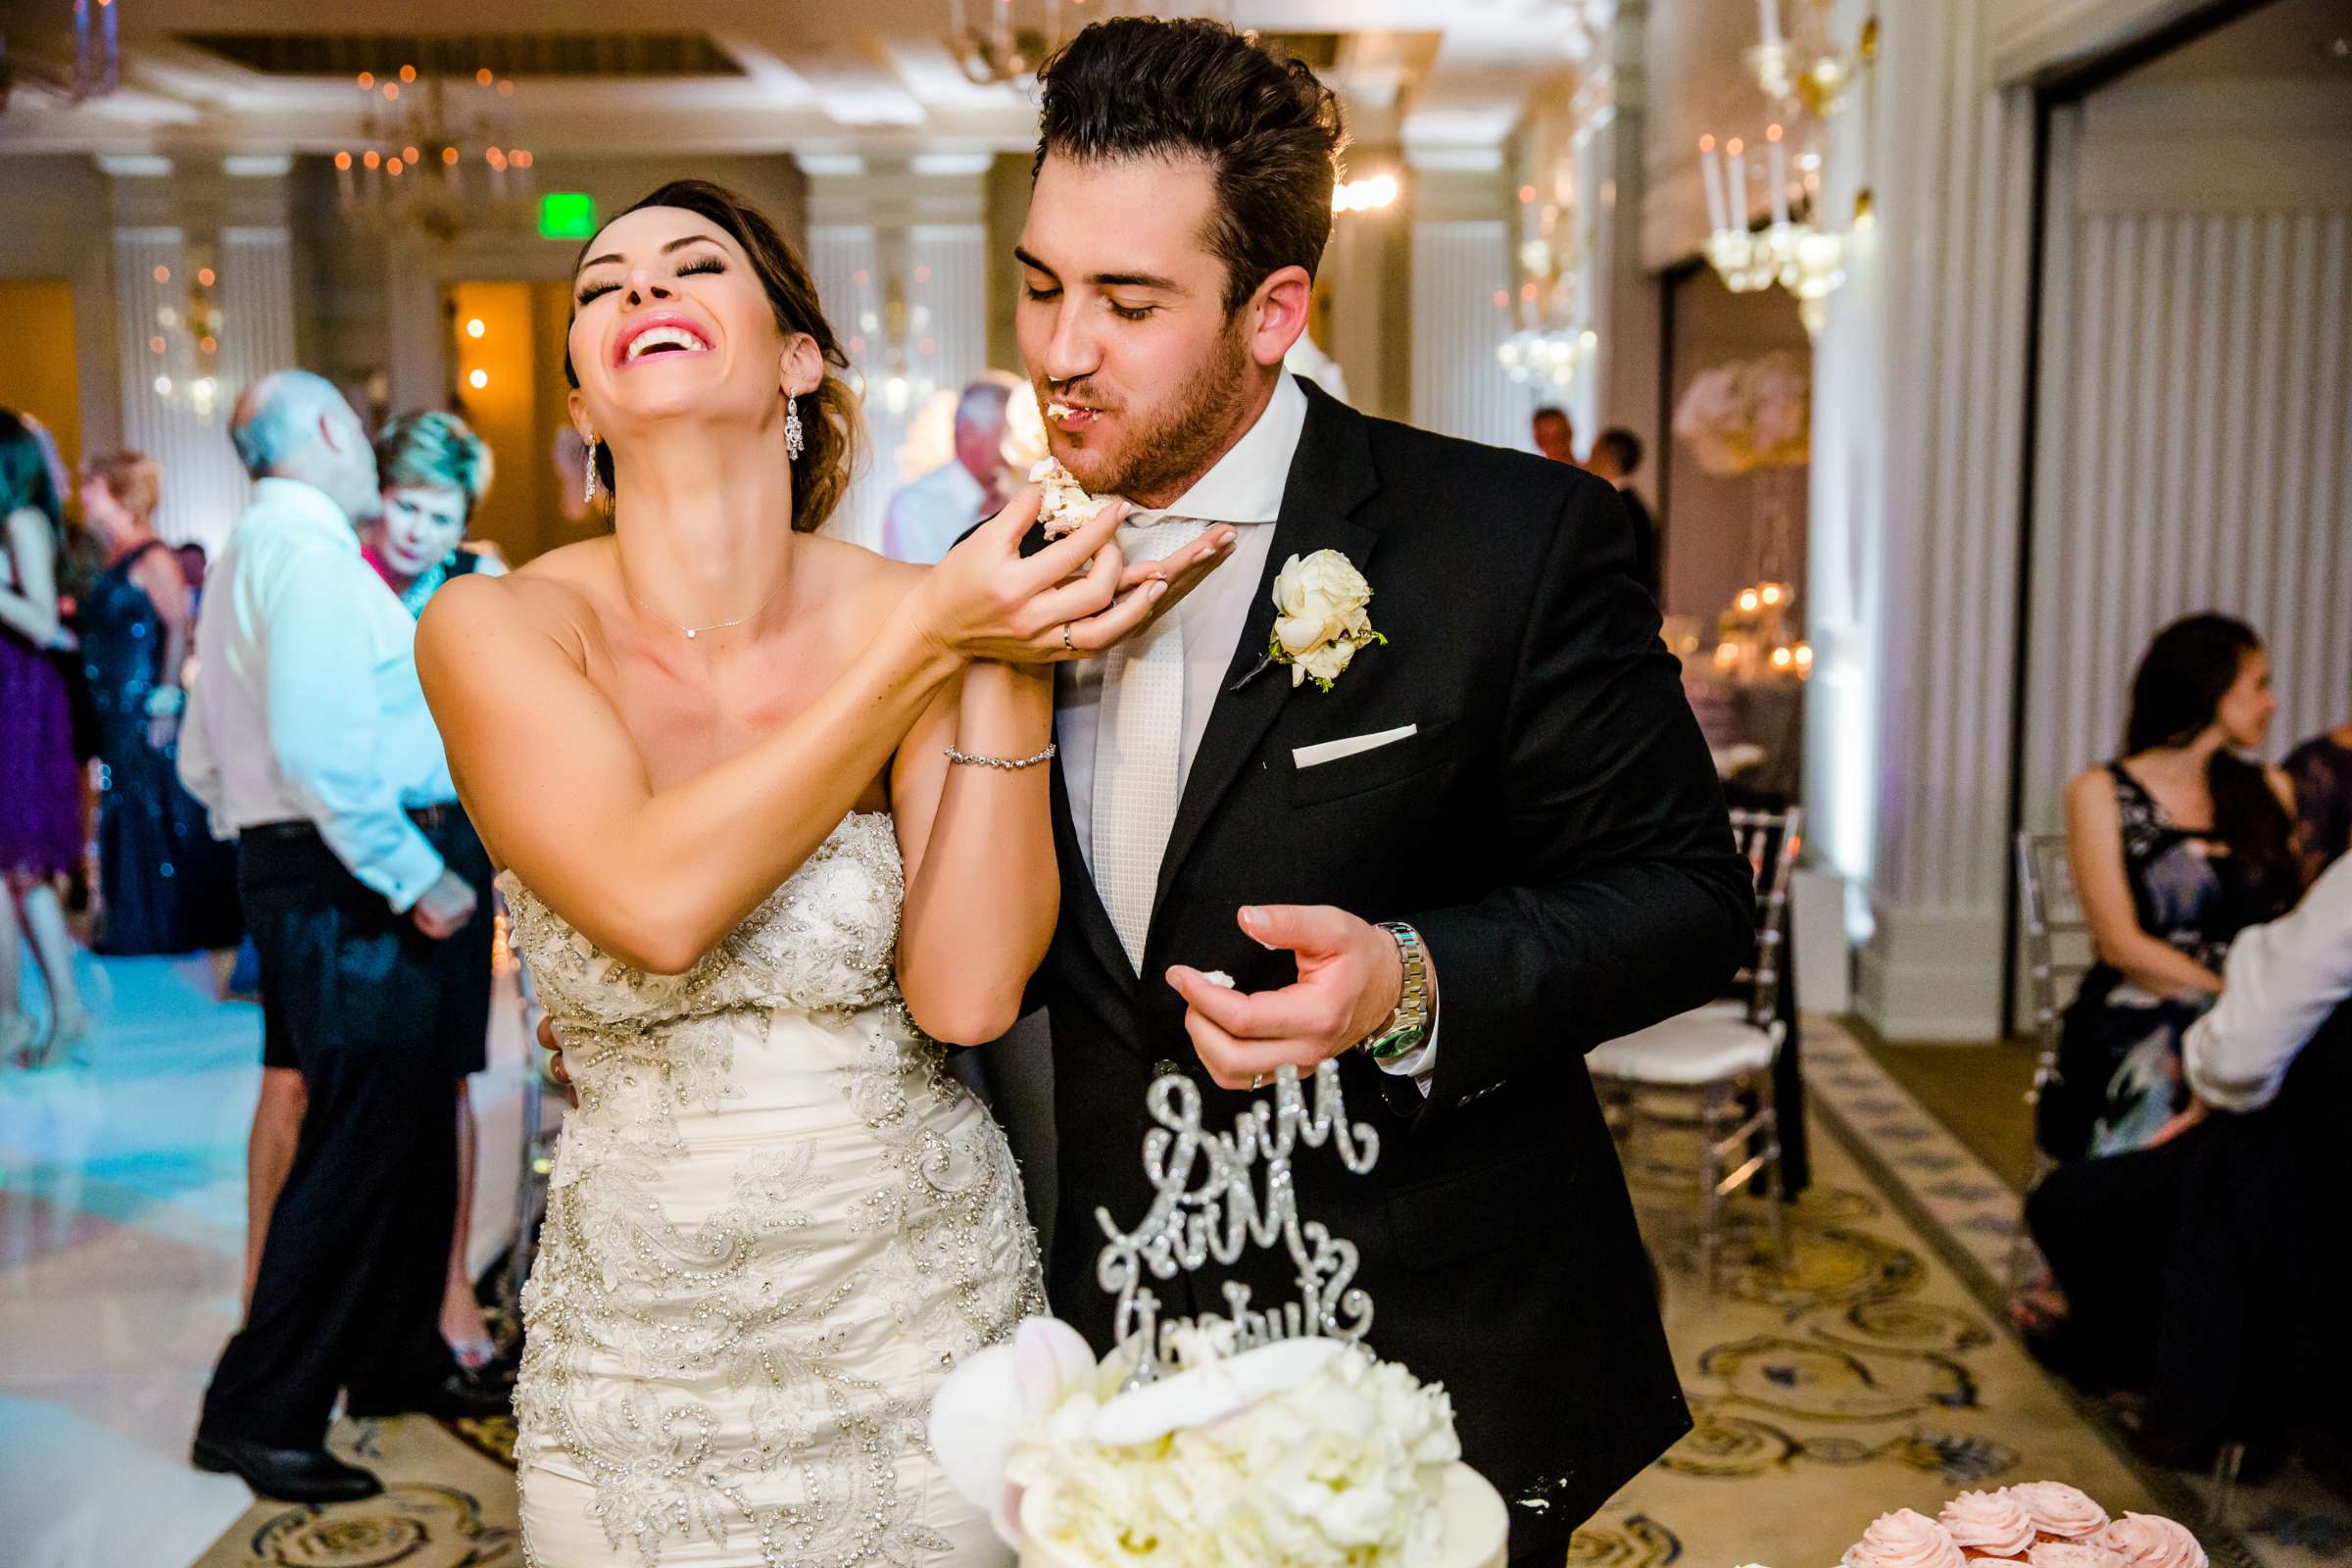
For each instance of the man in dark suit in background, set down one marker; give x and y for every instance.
(1616, 454)
(1482, 846)
(1554, 436)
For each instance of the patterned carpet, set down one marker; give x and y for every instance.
(446, 1504)
(1864, 1377)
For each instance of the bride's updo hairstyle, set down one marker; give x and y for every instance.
(830, 420)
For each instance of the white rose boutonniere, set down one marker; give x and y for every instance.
(1324, 620)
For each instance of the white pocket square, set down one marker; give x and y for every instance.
(1305, 757)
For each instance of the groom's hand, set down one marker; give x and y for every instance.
(1351, 977)
(554, 1065)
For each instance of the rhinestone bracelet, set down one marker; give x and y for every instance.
(1009, 766)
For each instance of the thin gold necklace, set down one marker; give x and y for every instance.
(692, 632)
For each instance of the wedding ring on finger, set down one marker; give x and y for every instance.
(1257, 1081)
(1065, 640)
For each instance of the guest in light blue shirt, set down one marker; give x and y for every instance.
(929, 514)
(308, 737)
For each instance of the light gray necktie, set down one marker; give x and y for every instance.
(1138, 754)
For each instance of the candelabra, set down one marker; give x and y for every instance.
(1809, 80)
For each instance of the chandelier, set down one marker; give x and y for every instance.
(1003, 42)
(1808, 78)
(429, 147)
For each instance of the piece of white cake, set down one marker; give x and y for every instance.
(1067, 505)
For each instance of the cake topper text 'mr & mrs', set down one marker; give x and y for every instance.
(1209, 1205)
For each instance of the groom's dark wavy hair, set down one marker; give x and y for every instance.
(1271, 134)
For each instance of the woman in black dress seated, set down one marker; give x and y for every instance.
(166, 884)
(2176, 846)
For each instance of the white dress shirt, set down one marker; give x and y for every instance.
(1244, 489)
(929, 514)
(2280, 983)
(305, 706)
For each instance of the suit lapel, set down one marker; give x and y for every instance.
(1331, 476)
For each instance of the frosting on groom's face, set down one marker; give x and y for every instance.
(1122, 321)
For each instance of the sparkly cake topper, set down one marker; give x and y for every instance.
(1208, 1205)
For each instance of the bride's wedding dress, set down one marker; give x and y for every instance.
(774, 1225)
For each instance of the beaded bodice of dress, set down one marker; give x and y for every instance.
(773, 1222)
(822, 942)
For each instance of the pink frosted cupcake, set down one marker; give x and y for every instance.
(1990, 1526)
(2073, 1555)
(2149, 1541)
(2059, 1512)
(1905, 1540)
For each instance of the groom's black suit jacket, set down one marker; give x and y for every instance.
(1556, 833)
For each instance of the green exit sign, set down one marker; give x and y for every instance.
(568, 215)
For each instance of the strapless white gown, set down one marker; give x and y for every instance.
(774, 1225)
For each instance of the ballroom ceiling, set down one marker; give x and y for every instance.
(873, 76)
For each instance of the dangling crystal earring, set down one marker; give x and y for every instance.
(794, 442)
(588, 490)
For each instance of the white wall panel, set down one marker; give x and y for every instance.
(204, 485)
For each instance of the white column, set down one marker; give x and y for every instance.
(1628, 359)
(1460, 259)
(1457, 387)
(1918, 421)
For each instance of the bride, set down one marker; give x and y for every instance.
(713, 751)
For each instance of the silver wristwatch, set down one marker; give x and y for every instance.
(1407, 1027)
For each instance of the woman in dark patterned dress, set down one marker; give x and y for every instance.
(166, 884)
(2176, 846)
(40, 803)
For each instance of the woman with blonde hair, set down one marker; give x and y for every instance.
(166, 884)
(434, 472)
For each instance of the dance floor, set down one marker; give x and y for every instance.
(121, 1247)
(1869, 1374)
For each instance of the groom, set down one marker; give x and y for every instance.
(1493, 843)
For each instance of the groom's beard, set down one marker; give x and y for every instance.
(1182, 439)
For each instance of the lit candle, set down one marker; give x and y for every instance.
(1711, 166)
(1767, 17)
(1777, 157)
(1737, 183)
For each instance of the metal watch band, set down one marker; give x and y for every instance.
(1408, 1026)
